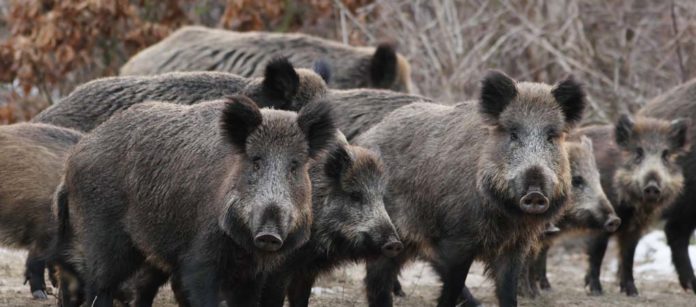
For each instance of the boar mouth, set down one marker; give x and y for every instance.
(534, 202)
(268, 241)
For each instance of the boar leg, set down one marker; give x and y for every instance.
(178, 289)
(300, 288)
(526, 284)
(597, 247)
(678, 235)
(110, 261)
(398, 290)
(244, 292)
(147, 283)
(35, 268)
(507, 270)
(628, 241)
(199, 280)
(452, 265)
(379, 281)
(540, 268)
(467, 299)
(273, 293)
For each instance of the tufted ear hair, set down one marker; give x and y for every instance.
(383, 66)
(323, 69)
(678, 134)
(623, 130)
(280, 81)
(497, 91)
(337, 162)
(571, 96)
(587, 143)
(317, 123)
(240, 118)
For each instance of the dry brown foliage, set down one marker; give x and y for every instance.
(624, 51)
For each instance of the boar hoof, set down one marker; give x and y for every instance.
(688, 283)
(39, 295)
(544, 284)
(594, 285)
(398, 291)
(630, 289)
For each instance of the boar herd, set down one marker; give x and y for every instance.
(217, 164)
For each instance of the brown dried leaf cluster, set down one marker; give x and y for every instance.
(624, 51)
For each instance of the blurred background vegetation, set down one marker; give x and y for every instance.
(624, 51)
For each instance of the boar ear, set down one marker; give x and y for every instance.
(337, 162)
(678, 133)
(383, 66)
(280, 80)
(497, 91)
(623, 130)
(587, 143)
(240, 117)
(316, 121)
(323, 69)
(570, 95)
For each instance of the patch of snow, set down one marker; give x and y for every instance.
(320, 291)
(654, 257)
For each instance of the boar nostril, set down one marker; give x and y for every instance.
(612, 224)
(392, 249)
(534, 203)
(267, 241)
(651, 192)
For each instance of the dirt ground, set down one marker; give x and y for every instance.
(344, 287)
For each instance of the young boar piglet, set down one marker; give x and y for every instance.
(637, 160)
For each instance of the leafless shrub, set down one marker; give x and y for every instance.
(624, 51)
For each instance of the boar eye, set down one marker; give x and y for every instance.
(256, 162)
(578, 181)
(639, 153)
(665, 155)
(294, 165)
(356, 197)
(513, 135)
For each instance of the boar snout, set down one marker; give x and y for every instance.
(268, 241)
(652, 191)
(392, 248)
(270, 228)
(612, 223)
(534, 202)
